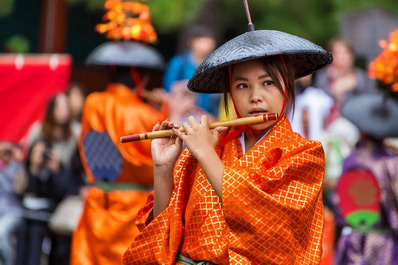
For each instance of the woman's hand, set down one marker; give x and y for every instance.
(201, 142)
(198, 137)
(165, 151)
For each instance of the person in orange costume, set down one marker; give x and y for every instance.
(246, 195)
(120, 175)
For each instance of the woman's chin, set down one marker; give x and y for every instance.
(262, 126)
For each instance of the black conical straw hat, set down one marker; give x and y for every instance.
(306, 57)
(126, 53)
(374, 113)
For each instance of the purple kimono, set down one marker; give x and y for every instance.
(379, 245)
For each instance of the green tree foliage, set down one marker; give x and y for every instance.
(18, 44)
(171, 15)
(316, 20)
(92, 5)
(167, 15)
(6, 7)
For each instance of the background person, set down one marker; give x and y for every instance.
(12, 184)
(201, 41)
(342, 77)
(47, 185)
(119, 174)
(182, 104)
(76, 96)
(57, 129)
(369, 238)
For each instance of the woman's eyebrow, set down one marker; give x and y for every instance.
(238, 78)
(264, 76)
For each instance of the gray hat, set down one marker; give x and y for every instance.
(306, 57)
(374, 113)
(126, 53)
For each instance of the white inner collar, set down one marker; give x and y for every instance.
(242, 141)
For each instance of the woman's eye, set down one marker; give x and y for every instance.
(241, 85)
(268, 83)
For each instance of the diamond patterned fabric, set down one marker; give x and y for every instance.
(271, 210)
(102, 156)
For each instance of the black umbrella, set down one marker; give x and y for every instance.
(306, 57)
(126, 53)
(375, 114)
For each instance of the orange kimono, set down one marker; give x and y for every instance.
(271, 210)
(107, 225)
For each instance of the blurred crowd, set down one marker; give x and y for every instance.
(37, 176)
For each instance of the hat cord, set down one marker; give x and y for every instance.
(138, 82)
(285, 92)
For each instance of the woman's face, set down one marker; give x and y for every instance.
(61, 109)
(342, 57)
(254, 92)
(36, 155)
(203, 46)
(76, 101)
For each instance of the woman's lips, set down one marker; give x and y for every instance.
(257, 112)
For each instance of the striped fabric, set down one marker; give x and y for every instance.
(271, 210)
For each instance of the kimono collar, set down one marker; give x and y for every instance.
(120, 90)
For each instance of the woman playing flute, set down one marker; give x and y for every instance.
(246, 195)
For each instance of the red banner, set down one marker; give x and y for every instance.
(27, 82)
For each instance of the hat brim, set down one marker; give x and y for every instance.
(126, 53)
(306, 57)
(375, 114)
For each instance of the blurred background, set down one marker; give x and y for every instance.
(44, 82)
(67, 26)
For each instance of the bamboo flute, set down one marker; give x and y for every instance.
(229, 123)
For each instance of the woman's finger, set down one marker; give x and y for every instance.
(178, 133)
(193, 122)
(178, 142)
(156, 127)
(217, 130)
(204, 120)
(164, 124)
(187, 128)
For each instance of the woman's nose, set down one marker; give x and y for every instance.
(255, 96)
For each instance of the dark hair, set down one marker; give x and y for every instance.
(198, 31)
(49, 122)
(28, 160)
(122, 75)
(273, 65)
(332, 42)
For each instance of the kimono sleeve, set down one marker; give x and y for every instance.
(145, 214)
(275, 209)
